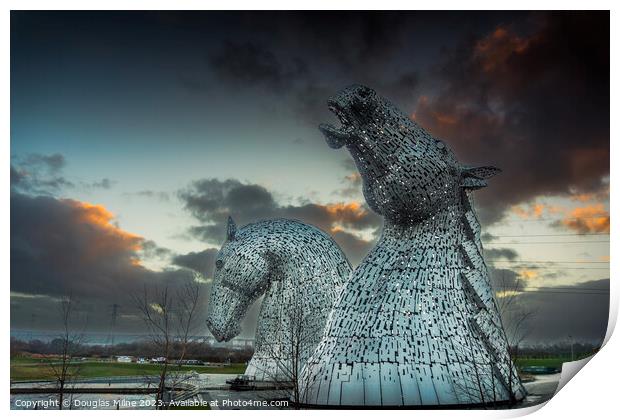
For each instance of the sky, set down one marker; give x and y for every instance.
(134, 135)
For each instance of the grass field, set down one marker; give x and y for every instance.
(554, 362)
(32, 369)
(24, 368)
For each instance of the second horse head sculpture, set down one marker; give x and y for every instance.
(417, 324)
(298, 270)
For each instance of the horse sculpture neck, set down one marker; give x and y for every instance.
(446, 224)
(298, 269)
(305, 270)
(442, 233)
(417, 324)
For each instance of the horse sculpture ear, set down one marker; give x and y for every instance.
(231, 229)
(473, 177)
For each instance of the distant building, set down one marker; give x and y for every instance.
(235, 343)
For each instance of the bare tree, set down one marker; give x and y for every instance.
(297, 347)
(69, 341)
(170, 319)
(515, 319)
(186, 305)
(476, 379)
(289, 349)
(497, 371)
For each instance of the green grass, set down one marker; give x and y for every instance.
(33, 369)
(554, 362)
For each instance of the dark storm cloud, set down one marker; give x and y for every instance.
(53, 163)
(208, 233)
(34, 312)
(307, 57)
(252, 64)
(150, 249)
(503, 279)
(500, 253)
(38, 173)
(535, 104)
(353, 246)
(104, 183)
(201, 262)
(211, 201)
(159, 195)
(61, 247)
(513, 95)
(17, 177)
(547, 319)
(486, 237)
(43, 174)
(42, 313)
(552, 322)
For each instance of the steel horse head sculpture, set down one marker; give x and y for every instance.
(417, 324)
(298, 269)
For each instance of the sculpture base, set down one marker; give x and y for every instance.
(496, 404)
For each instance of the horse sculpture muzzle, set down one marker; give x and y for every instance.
(222, 320)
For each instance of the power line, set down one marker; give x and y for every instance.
(532, 267)
(562, 292)
(550, 266)
(560, 288)
(549, 219)
(549, 234)
(550, 262)
(546, 243)
(556, 290)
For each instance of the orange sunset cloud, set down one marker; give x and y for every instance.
(588, 219)
(346, 211)
(107, 238)
(535, 210)
(495, 49)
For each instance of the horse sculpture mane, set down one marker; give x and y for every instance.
(299, 269)
(417, 324)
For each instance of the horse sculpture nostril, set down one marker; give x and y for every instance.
(334, 106)
(216, 332)
(218, 336)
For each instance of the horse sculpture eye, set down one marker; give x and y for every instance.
(219, 264)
